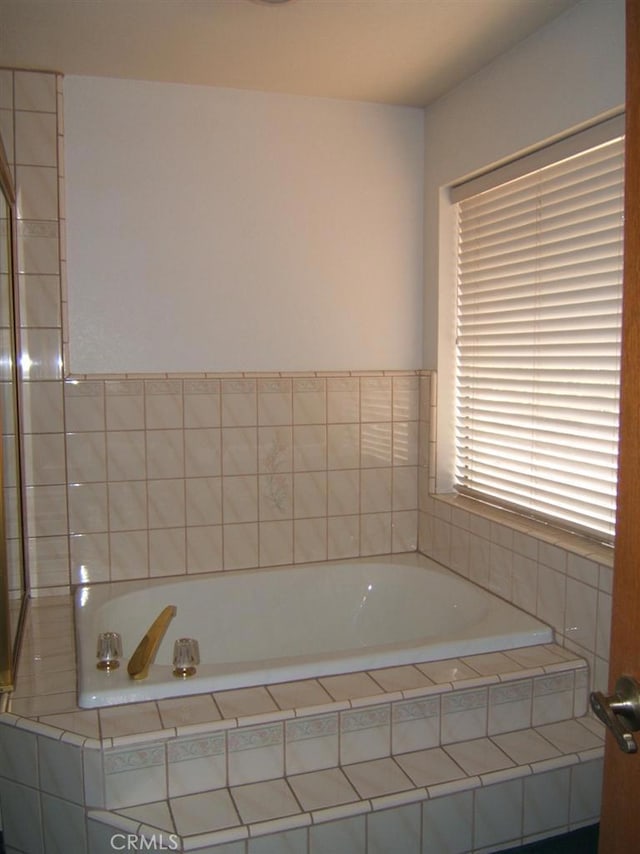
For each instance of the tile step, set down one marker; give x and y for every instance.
(563, 757)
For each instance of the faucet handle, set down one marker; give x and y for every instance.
(109, 650)
(186, 654)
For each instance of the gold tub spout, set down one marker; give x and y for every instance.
(145, 653)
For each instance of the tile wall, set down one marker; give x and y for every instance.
(174, 475)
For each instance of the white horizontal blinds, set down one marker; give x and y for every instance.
(538, 340)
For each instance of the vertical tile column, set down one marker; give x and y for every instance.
(30, 122)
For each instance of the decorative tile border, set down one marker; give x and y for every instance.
(544, 685)
(312, 727)
(119, 761)
(415, 710)
(246, 738)
(463, 701)
(183, 750)
(511, 693)
(364, 719)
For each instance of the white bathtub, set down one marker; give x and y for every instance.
(263, 626)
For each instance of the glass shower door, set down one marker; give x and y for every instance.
(13, 578)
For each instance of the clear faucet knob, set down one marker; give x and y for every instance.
(109, 650)
(186, 654)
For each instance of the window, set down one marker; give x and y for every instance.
(540, 252)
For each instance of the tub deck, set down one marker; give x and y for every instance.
(306, 757)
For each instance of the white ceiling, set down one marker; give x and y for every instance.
(391, 51)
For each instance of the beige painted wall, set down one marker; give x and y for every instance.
(224, 230)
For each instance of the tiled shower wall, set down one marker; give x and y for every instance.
(129, 477)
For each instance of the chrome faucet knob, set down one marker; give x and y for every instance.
(109, 651)
(186, 654)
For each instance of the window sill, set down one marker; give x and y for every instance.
(447, 504)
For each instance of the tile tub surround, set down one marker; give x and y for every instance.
(314, 758)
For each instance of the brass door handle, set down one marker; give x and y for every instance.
(620, 711)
